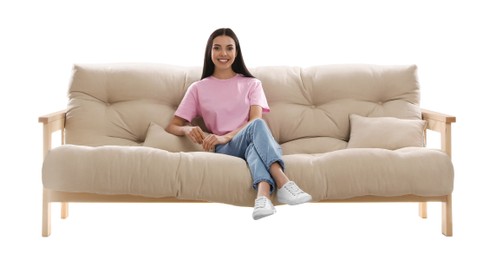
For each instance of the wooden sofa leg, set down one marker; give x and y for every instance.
(447, 217)
(423, 209)
(46, 214)
(64, 211)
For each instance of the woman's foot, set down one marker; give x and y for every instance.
(263, 208)
(291, 194)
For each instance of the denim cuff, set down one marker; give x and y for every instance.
(269, 181)
(277, 160)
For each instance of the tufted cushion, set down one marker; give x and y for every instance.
(316, 102)
(115, 103)
(310, 107)
(385, 132)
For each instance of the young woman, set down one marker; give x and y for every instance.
(231, 102)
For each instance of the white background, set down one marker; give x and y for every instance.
(452, 43)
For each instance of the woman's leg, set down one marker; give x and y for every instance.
(264, 188)
(264, 157)
(270, 153)
(278, 174)
(255, 144)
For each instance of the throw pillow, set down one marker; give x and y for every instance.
(157, 137)
(385, 132)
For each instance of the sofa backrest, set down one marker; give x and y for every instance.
(310, 107)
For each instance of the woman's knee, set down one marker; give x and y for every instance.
(259, 123)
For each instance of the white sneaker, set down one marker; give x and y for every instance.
(291, 194)
(263, 208)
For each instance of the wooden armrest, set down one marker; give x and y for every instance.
(52, 123)
(431, 115)
(440, 123)
(59, 115)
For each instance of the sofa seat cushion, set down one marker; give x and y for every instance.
(358, 172)
(220, 178)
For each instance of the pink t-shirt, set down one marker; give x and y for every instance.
(224, 104)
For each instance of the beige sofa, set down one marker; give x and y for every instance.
(349, 133)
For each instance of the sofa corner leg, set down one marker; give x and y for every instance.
(46, 214)
(423, 209)
(64, 211)
(447, 217)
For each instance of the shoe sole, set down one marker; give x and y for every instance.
(297, 202)
(263, 215)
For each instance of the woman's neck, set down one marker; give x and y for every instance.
(224, 74)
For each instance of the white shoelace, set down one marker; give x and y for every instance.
(260, 202)
(293, 189)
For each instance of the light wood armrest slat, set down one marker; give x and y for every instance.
(432, 115)
(51, 123)
(52, 117)
(440, 123)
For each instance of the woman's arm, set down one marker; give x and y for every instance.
(211, 140)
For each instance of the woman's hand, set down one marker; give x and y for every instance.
(194, 133)
(212, 140)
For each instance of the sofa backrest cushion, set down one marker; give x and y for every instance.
(115, 103)
(310, 107)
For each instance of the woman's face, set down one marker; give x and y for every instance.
(223, 52)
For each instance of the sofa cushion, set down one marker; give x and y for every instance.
(157, 137)
(113, 104)
(148, 172)
(312, 102)
(226, 179)
(385, 132)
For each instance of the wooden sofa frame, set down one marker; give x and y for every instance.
(54, 122)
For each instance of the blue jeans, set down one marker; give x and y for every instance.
(256, 145)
